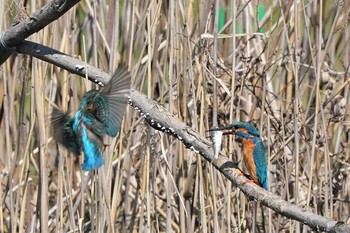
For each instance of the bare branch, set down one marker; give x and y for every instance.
(63, 60)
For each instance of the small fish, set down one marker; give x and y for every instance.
(216, 137)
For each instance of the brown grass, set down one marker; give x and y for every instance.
(286, 72)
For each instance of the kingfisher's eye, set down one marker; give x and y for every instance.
(239, 139)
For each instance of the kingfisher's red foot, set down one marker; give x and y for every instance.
(248, 181)
(104, 147)
(247, 176)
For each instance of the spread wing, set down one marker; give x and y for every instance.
(63, 131)
(110, 103)
(260, 159)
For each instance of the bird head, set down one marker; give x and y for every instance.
(242, 129)
(88, 99)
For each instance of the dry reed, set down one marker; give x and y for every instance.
(208, 64)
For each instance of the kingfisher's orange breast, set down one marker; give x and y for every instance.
(248, 159)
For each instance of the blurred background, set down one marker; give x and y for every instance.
(282, 65)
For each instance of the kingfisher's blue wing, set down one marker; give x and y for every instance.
(260, 159)
(110, 103)
(63, 132)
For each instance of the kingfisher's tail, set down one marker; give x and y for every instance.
(266, 185)
(265, 182)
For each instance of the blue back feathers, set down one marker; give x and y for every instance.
(93, 158)
(260, 159)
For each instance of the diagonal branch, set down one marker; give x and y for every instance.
(63, 60)
(162, 120)
(37, 21)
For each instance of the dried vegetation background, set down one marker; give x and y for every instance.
(282, 66)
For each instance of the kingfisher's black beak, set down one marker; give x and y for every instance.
(229, 130)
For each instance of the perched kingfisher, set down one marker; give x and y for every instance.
(254, 152)
(100, 113)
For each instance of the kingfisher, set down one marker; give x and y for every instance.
(100, 113)
(254, 152)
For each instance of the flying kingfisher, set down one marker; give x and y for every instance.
(254, 152)
(100, 113)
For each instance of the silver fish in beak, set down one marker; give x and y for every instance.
(216, 137)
